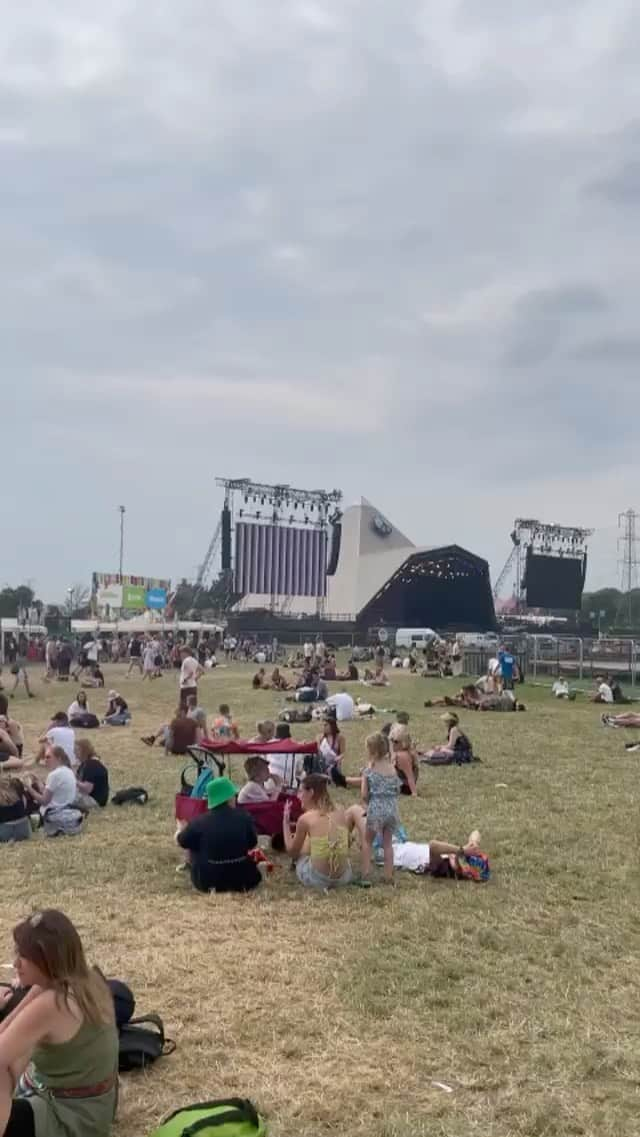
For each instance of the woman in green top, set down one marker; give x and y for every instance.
(59, 1047)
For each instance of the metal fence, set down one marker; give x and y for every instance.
(542, 657)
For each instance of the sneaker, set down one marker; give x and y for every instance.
(607, 720)
(632, 745)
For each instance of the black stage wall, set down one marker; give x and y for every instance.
(554, 582)
(440, 588)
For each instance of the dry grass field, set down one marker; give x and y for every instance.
(338, 1014)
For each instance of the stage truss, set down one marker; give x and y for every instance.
(543, 539)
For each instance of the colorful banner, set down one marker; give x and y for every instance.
(156, 598)
(109, 596)
(132, 593)
(134, 596)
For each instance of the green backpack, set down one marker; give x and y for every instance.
(233, 1117)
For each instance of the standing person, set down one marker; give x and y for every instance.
(190, 672)
(507, 664)
(62, 1033)
(64, 655)
(19, 672)
(380, 790)
(456, 658)
(50, 659)
(149, 653)
(135, 655)
(307, 651)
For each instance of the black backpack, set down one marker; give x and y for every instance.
(141, 1042)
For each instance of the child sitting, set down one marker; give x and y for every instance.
(223, 725)
(261, 784)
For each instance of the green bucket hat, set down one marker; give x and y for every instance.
(219, 791)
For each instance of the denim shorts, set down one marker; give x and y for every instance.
(311, 878)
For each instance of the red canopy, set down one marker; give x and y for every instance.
(277, 746)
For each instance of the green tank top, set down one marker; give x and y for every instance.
(88, 1059)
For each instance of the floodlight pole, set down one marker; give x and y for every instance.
(122, 513)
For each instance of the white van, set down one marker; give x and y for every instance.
(482, 641)
(416, 637)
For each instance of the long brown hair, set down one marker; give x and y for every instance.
(318, 786)
(51, 942)
(11, 790)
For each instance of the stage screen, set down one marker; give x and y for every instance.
(554, 582)
(277, 560)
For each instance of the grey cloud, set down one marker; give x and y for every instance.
(377, 206)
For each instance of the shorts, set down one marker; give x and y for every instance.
(311, 878)
(22, 1123)
(185, 694)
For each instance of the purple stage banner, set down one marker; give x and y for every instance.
(277, 560)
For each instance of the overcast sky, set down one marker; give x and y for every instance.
(389, 246)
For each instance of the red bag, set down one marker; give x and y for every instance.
(268, 815)
(189, 807)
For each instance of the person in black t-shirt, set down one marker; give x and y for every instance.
(92, 775)
(218, 843)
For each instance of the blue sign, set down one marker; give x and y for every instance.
(156, 598)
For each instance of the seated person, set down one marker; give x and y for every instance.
(266, 731)
(404, 759)
(11, 726)
(278, 681)
(57, 796)
(288, 767)
(79, 714)
(457, 747)
(8, 748)
(487, 684)
(223, 726)
(14, 810)
(178, 735)
(198, 714)
(603, 692)
(218, 843)
(331, 744)
(92, 777)
(560, 689)
(58, 733)
(262, 785)
(379, 678)
(94, 677)
(259, 681)
(319, 842)
(62, 1033)
(117, 712)
(350, 674)
(617, 692)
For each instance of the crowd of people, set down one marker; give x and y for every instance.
(58, 1045)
